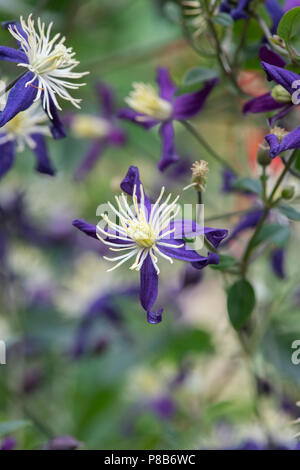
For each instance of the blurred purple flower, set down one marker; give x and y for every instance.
(277, 259)
(103, 306)
(8, 443)
(166, 242)
(63, 443)
(32, 380)
(149, 109)
(250, 220)
(237, 10)
(164, 406)
(102, 130)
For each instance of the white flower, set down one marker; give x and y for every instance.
(49, 60)
(24, 125)
(144, 99)
(144, 234)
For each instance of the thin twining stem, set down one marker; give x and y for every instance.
(206, 145)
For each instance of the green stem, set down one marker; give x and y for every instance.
(284, 172)
(205, 145)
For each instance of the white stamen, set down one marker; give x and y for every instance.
(143, 231)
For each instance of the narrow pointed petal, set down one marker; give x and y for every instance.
(91, 157)
(249, 220)
(281, 76)
(137, 118)
(7, 157)
(19, 98)
(276, 12)
(132, 179)
(189, 104)
(269, 56)
(105, 98)
(281, 114)
(290, 141)
(278, 262)
(262, 104)
(91, 231)
(57, 127)
(167, 88)
(189, 228)
(169, 154)
(186, 254)
(149, 290)
(12, 55)
(43, 164)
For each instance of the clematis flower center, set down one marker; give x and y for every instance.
(90, 127)
(279, 132)
(60, 57)
(144, 99)
(142, 233)
(280, 94)
(50, 61)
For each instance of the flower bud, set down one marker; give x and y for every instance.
(280, 94)
(263, 155)
(288, 192)
(199, 178)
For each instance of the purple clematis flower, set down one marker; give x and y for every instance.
(28, 129)
(146, 233)
(149, 109)
(48, 68)
(102, 130)
(250, 220)
(237, 10)
(280, 98)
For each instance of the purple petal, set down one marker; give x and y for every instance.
(290, 141)
(7, 157)
(262, 104)
(57, 127)
(149, 290)
(215, 236)
(117, 136)
(212, 258)
(8, 443)
(169, 154)
(131, 180)
(19, 98)
(289, 4)
(275, 11)
(250, 220)
(91, 231)
(12, 55)
(92, 155)
(43, 161)
(88, 229)
(269, 56)
(277, 262)
(133, 116)
(184, 254)
(63, 443)
(105, 98)
(166, 86)
(189, 104)
(281, 76)
(17, 26)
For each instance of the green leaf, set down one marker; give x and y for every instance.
(240, 303)
(289, 212)
(276, 233)
(188, 342)
(8, 427)
(223, 19)
(225, 262)
(248, 184)
(289, 24)
(198, 75)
